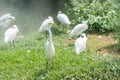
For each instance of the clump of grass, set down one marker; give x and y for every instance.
(28, 61)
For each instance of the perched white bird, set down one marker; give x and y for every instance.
(80, 43)
(63, 19)
(78, 29)
(6, 20)
(49, 47)
(10, 34)
(46, 23)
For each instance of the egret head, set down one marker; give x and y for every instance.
(14, 26)
(12, 17)
(83, 35)
(8, 16)
(49, 17)
(51, 20)
(85, 22)
(59, 12)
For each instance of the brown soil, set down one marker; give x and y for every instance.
(103, 44)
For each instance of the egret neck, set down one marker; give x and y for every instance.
(50, 34)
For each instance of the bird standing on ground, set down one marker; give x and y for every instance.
(78, 29)
(6, 20)
(46, 23)
(63, 19)
(80, 43)
(10, 34)
(49, 47)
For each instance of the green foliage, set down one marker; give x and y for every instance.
(27, 61)
(101, 16)
(117, 30)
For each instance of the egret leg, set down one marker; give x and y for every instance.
(63, 28)
(52, 64)
(46, 66)
(10, 44)
(13, 44)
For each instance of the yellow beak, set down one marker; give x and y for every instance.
(53, 23)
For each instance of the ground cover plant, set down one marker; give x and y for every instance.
(101, 15)
(27, 61)
(100, 60)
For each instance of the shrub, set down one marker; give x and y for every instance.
(101, 15)
(117, 30)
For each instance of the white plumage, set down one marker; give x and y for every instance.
(10, 34)
(46, 23)
(63, 19)
(78, 29)
(6, 20)
(80, 43)
(49, 47)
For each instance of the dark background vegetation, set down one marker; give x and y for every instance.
(102, 15)
(30, 13)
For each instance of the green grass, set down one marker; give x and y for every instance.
(27, 61)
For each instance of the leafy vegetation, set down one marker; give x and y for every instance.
(117, 29)
(102, 15)
(28, 61)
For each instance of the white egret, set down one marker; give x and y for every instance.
(49, 47)
(63, 19)
(80, 43)
(46, 23)
(78, 29)
(10, 34)
(6, 20)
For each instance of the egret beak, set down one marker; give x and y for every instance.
(11, 17)
(53, 23)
